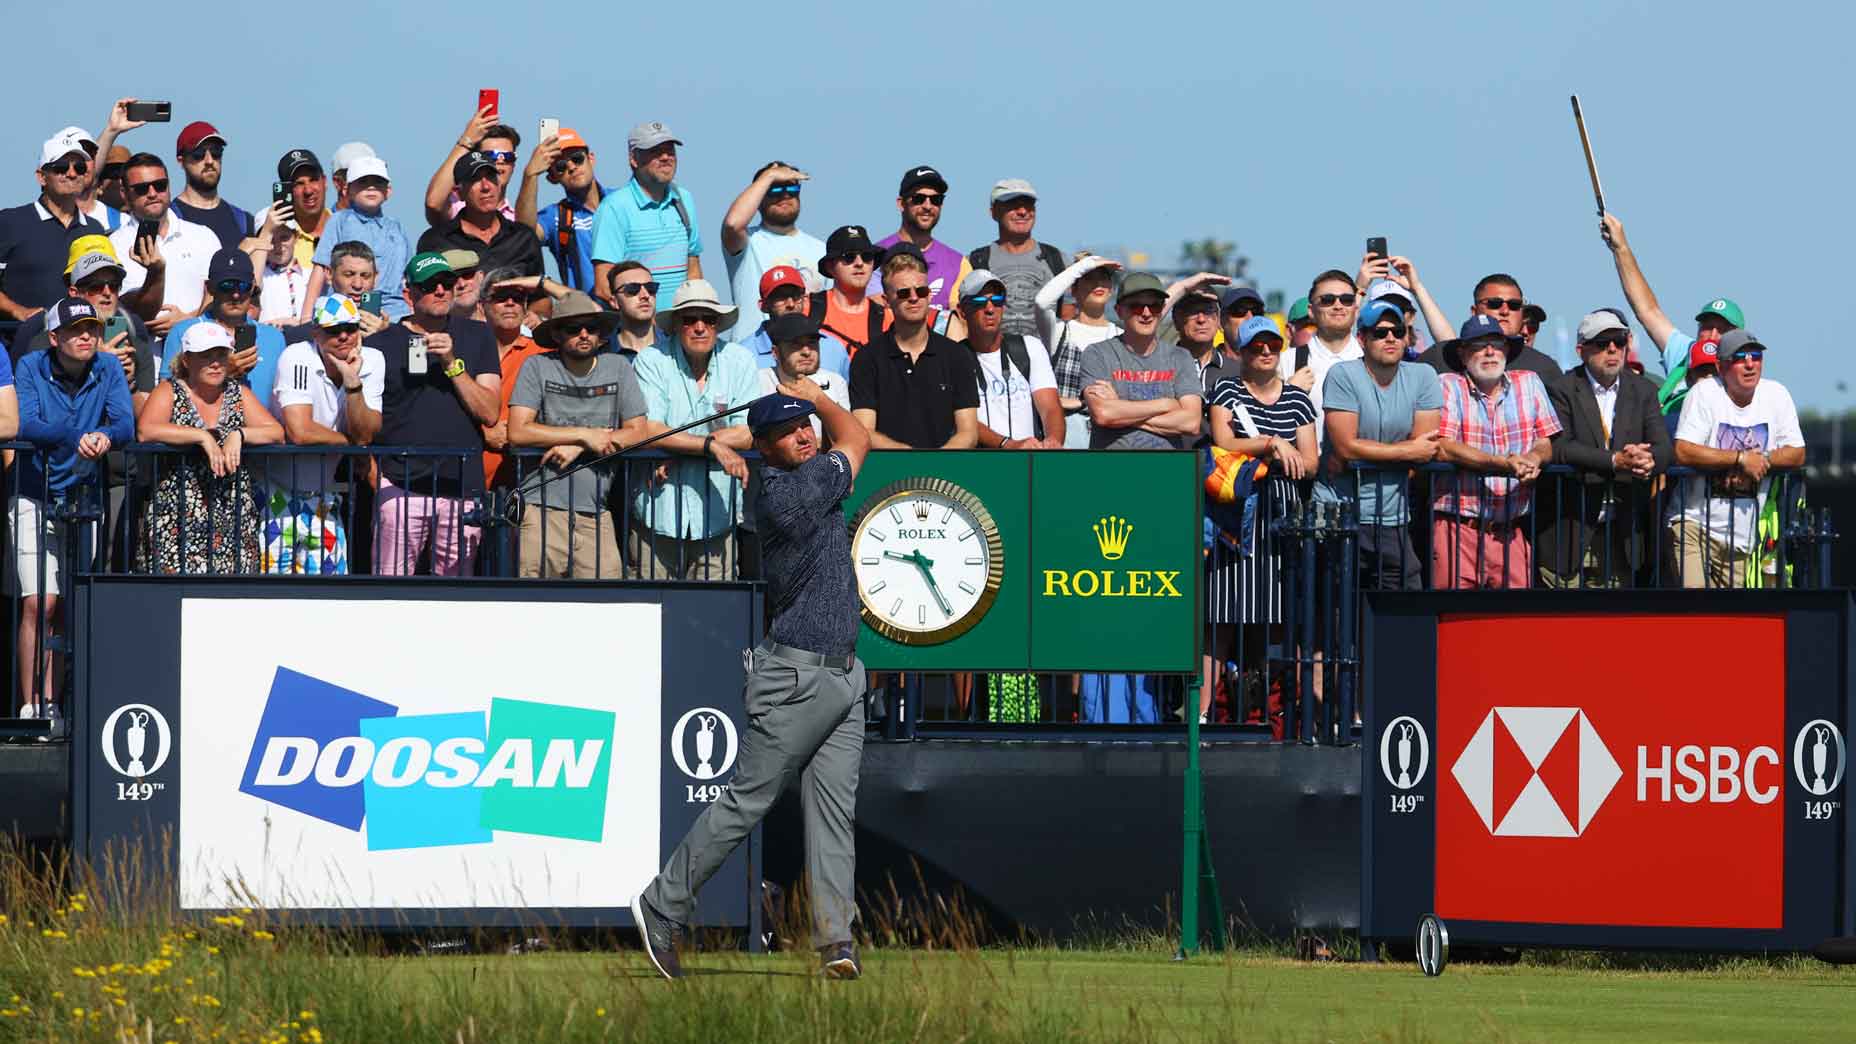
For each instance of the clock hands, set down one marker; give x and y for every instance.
(925, 565)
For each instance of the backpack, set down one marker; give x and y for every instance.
(568, 241)
(981, 257)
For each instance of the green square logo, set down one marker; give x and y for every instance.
(547, 770)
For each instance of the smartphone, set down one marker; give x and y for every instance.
(147, 229)
(279, 192)
(244, 338)
(151, 111)
(370, 302)
(1376, 247)
(549, 128)
(490, 98)
(415, 354)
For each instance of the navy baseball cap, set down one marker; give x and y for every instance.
(771, 411)
(1241, 293)
(68, 312)
(229, 264)
(791, 327)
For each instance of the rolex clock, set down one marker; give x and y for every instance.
(928, 559)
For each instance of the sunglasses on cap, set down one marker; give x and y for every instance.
(200, 152)
(1329, 300)
(634, 289)
(912, 293)
(784, 190)
(68, 165)
(232, 286)
(1380, 333)
(930, 198)
(445, 281)
(575, 157)
(982, 300)
(1602, 343)
(145, 188)
(1496, 304)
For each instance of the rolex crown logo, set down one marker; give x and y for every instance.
(921, 511)
(1112, 536)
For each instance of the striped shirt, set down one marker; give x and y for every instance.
(631, 226)
(1511, 425)
(1282, 418)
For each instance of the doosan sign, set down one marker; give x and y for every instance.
(1615, 790)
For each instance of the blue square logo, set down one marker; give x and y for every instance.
(305, 720)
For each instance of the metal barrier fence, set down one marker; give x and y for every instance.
(1283, 597)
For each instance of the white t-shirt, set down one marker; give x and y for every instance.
(1710, 418)
(1005, 399)
(283, 288)
(188, 249)
(834, 386)
(766, 250)
(1320, 360)
(302, 379)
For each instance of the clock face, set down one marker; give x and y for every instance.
(928, 560)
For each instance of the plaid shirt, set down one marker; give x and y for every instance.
(1512, 425)
(1066, 363)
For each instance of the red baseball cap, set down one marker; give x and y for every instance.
(193, 134)
(1704, 352)
(779, 276)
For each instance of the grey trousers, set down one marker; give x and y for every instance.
(804, 722)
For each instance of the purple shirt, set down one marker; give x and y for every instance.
(946, 268)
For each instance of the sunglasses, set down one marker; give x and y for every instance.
(697, 318)
(576, 327)
(575, 158)
(146, 188)
(437, 283)
(868, 257)
(232, 286)
(784, 190)
(1382, 333)
(97, 286)
(634, 289)
(1607, 343)
(1194, 311)
(1245, 308)
(518, 295)
(499, 156)
(1751, 355)
(932, 198)
(1496, 304)
(982, 300)
(1146, 304)
(197, 154)
(342, 329)
(1329, 300)
(911, 293)
(68, 165)
(1264, 347)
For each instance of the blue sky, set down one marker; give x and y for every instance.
(1294, 130)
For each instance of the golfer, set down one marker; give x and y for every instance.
(805, 684)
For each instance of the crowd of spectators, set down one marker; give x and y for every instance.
(488, 331)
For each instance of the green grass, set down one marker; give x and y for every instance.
(75, 969)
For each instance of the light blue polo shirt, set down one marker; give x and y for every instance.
(631, 226)
(386, 237)
(580, 276)
(690, 506)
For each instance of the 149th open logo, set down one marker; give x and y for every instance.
(126, 750)
(703, 744)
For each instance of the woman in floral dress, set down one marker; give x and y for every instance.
(203, 518)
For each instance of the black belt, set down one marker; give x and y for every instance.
(810, 659)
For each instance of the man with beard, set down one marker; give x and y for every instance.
(1497, 427)
(566, 227)
(652, 219)
(630, 285)
(1022, 263)
(920, 199)
(201, 150)
(1592, 524)
(751, 250)
(184, 249)
(34, 237)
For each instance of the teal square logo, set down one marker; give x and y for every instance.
(548, 770)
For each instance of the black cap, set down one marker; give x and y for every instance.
(771, 411)
(904, 249)
(846, 240)
(295, 160)
(915, 177)
(792, 326)
(1533, 313)
(470, 165)
(68, 311)
(230, 264)
(1241, 293)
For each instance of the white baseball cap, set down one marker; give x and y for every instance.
(63, 143)
(348, 153)
(204, 336)
(369, 166)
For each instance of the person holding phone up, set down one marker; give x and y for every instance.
(230, 280)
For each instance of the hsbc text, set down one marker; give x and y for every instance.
(1718, 775)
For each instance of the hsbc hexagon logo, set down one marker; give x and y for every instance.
(1536, 771)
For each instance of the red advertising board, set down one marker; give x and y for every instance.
(1612, 770)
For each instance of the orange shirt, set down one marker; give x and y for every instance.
(499, 470)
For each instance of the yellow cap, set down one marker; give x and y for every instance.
(88, 245)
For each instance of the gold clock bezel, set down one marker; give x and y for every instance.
(904, 489)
